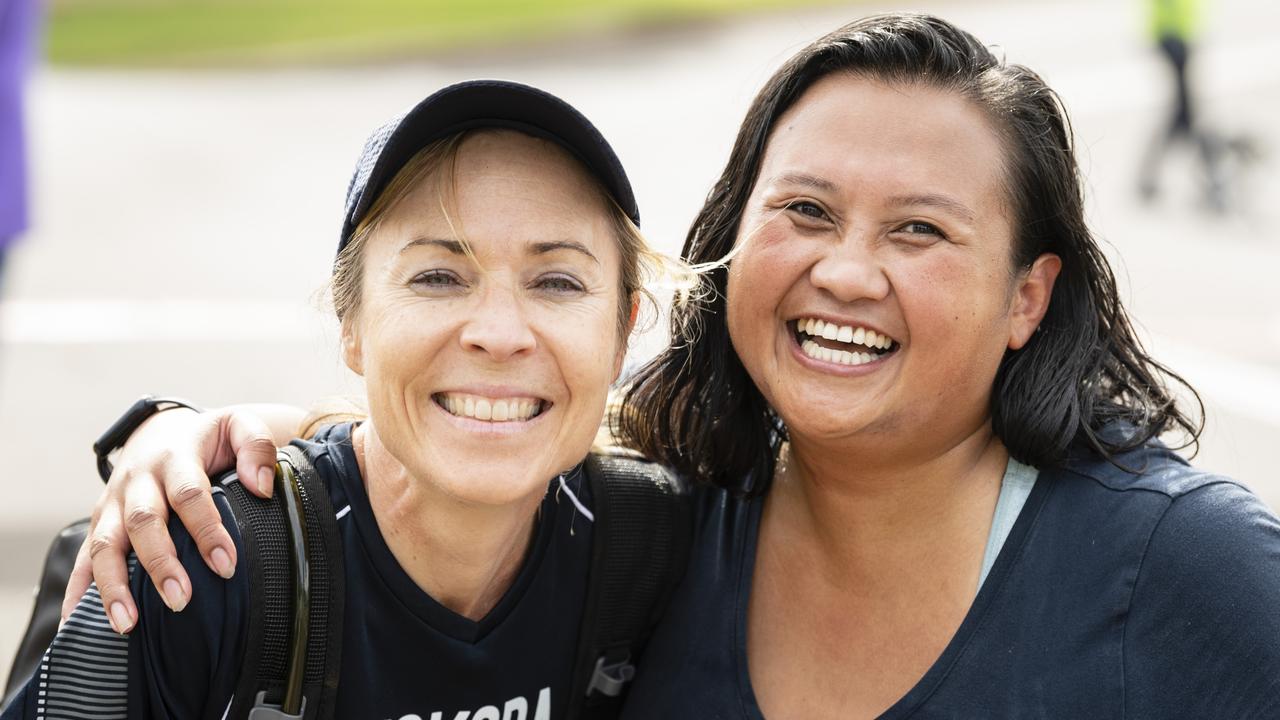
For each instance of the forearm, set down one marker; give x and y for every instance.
(284, 421)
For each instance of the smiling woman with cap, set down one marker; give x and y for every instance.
(486, 281)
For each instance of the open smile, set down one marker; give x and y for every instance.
(493, 410)
(841, 344)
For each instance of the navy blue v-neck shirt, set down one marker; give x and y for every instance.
(1116, 595)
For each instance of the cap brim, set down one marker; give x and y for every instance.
(492, 104)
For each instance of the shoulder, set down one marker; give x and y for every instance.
(1151, 468)
(1203, 605)
(187, 661)
(331, 454)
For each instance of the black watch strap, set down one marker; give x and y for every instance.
(116, 435)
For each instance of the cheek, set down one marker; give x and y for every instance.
(759, 277)
(957, 318)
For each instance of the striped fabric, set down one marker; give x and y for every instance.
(85, 672)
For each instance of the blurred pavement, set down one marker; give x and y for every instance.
(185, 221)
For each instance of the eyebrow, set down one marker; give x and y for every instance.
(942, 202)
(539, 248)
(804, 179)
(543, 248)
(453, 246)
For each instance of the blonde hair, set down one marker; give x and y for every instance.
(639, 267)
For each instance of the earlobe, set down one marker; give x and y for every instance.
(351, 351)
(1031, 301)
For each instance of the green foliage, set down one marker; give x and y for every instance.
(221, 32)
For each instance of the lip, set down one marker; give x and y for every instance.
(505, 428)
(833, 368)
(493, 429)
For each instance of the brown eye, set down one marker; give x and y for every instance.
(808, 209)
(922, 228)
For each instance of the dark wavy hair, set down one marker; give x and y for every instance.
(695, 408)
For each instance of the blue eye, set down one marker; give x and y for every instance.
(559, 284)
(436, 279)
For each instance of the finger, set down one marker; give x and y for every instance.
(250, 438)
(78, 581)
(146, 521)
(105, 549)
(190, 496)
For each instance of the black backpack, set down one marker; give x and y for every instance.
(291, 667)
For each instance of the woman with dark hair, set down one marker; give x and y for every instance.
(927, 434)
(933, 428)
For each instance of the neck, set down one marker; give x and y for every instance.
(463, 555)
(868, 518)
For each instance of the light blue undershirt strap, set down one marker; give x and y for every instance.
(1014, 489)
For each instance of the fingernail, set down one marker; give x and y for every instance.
(173, 596)
(222, 563)
(265, 476)
(120, 619)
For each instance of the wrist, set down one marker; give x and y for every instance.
(115, 437)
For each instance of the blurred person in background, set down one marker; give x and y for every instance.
(1174, 25)
(18, 20)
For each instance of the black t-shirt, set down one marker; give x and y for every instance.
(1115, 595)
(404, 656)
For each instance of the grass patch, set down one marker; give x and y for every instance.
(221, 32)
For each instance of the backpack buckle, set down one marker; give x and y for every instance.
(611, 678)
(262, 710)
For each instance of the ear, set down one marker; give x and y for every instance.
(1031, 299)
(352, 350)
(621, 355)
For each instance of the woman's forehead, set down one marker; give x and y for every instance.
(504, 189)
(849, 129)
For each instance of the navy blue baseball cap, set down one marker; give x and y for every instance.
(482, 104)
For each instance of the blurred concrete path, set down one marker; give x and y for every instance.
(185, 220)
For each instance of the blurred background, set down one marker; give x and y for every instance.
(188, 160)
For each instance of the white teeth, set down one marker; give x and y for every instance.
(814, 327)
(481, 408)
(842, 357)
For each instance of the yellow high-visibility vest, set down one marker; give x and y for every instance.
(1176, 18)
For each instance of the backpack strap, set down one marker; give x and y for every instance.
(638, 554)
(293, 647)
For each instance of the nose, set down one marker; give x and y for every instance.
(498, 325)
(851, 270)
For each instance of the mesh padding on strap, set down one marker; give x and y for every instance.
(640, 533)
(265, 535)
